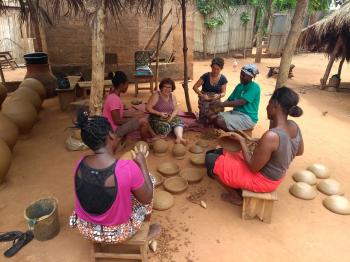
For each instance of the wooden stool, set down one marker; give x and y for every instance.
(258, 205)
(139, 240)
(143, 79)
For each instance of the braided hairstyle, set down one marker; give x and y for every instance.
(94, 129)
(288, 100)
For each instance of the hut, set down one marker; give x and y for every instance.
(330, 35)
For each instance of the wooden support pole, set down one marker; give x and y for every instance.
(330, 63)
(2, 76)
(98, 60)
(25, 37)
(158, 41)
(341, 66)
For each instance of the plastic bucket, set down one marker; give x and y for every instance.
(42, 218)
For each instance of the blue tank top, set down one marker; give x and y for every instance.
(208, 88)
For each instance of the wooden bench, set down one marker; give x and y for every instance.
(139, 241)
(67, 96)
(274, 70)
(258, 205)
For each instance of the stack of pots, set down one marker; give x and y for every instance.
(18, 115)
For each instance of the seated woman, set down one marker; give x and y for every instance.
(122, 121)
(163, 108)
(263, 170)
(112, 197)
(213, 88)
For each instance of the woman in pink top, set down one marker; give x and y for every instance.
(112, 197)
(163, 109)
(123, 122)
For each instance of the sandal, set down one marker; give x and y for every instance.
(10, 236)
(24, 239)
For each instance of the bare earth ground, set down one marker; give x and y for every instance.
(300, 230)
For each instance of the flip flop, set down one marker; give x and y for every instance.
(10, 236)
(24, 239)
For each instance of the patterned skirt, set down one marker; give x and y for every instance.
(162, 127)
(204, 109)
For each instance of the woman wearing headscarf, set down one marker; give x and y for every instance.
(244, 102)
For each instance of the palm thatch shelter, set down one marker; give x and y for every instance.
(330, 35)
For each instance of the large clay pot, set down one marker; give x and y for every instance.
(5, 160)
(22, 113)
(35, 85)
(42, 72)
(3, 93)
(160, 147)
(8, 131)
(28, 95)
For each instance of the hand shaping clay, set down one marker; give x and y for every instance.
(319, 170)
(229, 144)
(305, 176)
(303, 191)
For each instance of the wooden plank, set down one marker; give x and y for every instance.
(267, 196)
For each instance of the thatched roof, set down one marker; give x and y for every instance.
(322, 36)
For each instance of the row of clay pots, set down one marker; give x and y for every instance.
(18, 115)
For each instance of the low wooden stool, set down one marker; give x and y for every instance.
(258, 205)
(143, 79)
(139, 240)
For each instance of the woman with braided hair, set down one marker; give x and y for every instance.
(112, 197)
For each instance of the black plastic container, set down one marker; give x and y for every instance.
(36, 58)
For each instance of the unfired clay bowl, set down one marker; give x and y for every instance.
(159, 178)
(160, 147)
(330, 187)
(192, 175)
(162, 200)
(179, 151)
(337, 204)
(175, 185)
(196, 149)
(168, 169)
(319, 170)
(198, 160)
(229, 144)
(305, 176)
(303, 191)
(202, 143)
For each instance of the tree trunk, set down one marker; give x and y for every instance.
(291, 42)
(245, 40)
(205, 35)
(25, 37)
(184, 40)
(98, 60)
(43, 38)
(341, 66)
(158, 41)
(2, 76)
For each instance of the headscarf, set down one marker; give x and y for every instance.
(251, 70)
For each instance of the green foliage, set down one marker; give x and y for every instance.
(214, 22)
(245, 18)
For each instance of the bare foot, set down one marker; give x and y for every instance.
(154, 231)
(227, 197)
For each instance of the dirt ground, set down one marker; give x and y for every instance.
(300, 230)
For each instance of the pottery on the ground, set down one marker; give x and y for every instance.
(168, 169)
(305, 176)
(192, 175)
(175, 185)
(319, 170)
(22, 113)
(29, 95)
(196, 149)
(3, 93)
(160, 147)
(5, 159)
(330, 187)
(179, 151)
(163, 200)
(337, 204)
(303, 191)
(158, 177)
(198, 159)
(35, 85)
(202, 143)
(8, 131)
(229, 144)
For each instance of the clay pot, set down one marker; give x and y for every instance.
(337, 204)
(27, 94)
(8, 131)
(76, 134)
(319, 170)
(179, 151)
(3, 93)
(330, 187)
(35, 85)
(198, 160)
(303, 191)
(192, 175)
(158, 177)
(305, 176)
(163, 200)
(196, 149)
(229, 144)
(160, 147)
(42, 72)
(5, 159)
(202, 143)
(168, 169)
(22, 113)
(175, 185)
